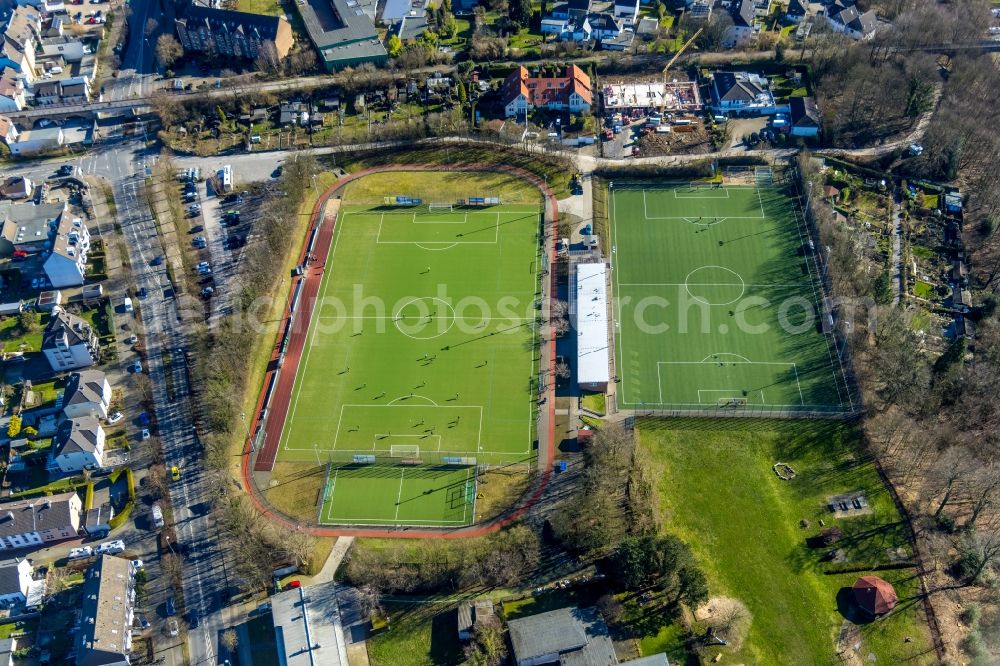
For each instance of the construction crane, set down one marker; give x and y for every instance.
(670, 63)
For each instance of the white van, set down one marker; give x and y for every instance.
(128, 304)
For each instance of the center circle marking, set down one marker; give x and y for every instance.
(421, 308)
(688, 284)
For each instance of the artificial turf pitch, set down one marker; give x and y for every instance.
(718, 304)
(422, 347)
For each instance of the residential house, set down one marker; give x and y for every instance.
(805, 119)
(74, 91)
(627, 11)
(20, 42)
(16, 187)
(67, 263)
(11, 90)
(69, 342)
(520, 92)
(849, 20)
(105, 634)
(78, 445)
(8, 130)
(742, 93)
(47, 93)
(741, 32)
(39, 520)
(577, 8)
(602, 27)
(15, 579)
(762, 8)
(227, 33)
(87, 393)
(796, 10)
(70, 49)
(28, 227)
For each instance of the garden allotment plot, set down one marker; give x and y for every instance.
(419, 361)
(718, 304)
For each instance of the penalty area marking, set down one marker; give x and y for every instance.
(793, 366)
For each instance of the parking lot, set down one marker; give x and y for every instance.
(220, 228)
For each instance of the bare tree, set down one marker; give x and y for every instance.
(168, 50)
(563, 370)
(984, 491)
(150, 27)
(942, 479)
(230, 639)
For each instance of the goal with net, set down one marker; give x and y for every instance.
(732, 403)
(404, 451)
(440, 206)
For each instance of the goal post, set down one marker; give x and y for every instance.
(404, 451)
(431, 207)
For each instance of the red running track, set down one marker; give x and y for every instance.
(281, 395)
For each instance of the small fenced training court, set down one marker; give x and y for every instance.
(400, 491)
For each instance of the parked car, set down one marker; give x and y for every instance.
(115, 418)
(207, 292)
(110, 547)
(142, 292)
(175, 473)
(196, 229)
(137, 367)
(132, 339)
(143, 622)
(157, 260)
(137, 564)
(144, 435)
(81, 552)
(170, 607)
(157, 514)
(128, 304)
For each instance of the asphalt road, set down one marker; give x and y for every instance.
(162, 315)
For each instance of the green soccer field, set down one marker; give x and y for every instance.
(421, 351)
(398, 495)
(718, 304)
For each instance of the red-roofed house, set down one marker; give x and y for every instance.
(521, 93)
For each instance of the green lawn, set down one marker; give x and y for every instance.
(718, 303)
(594, 402)
(923, 289)
(719, 493)
(422, 346)
(266, 7)
(13, 338)
(418, 635)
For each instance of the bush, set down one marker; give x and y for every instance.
(14, 427)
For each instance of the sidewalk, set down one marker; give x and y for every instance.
(333, 561)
